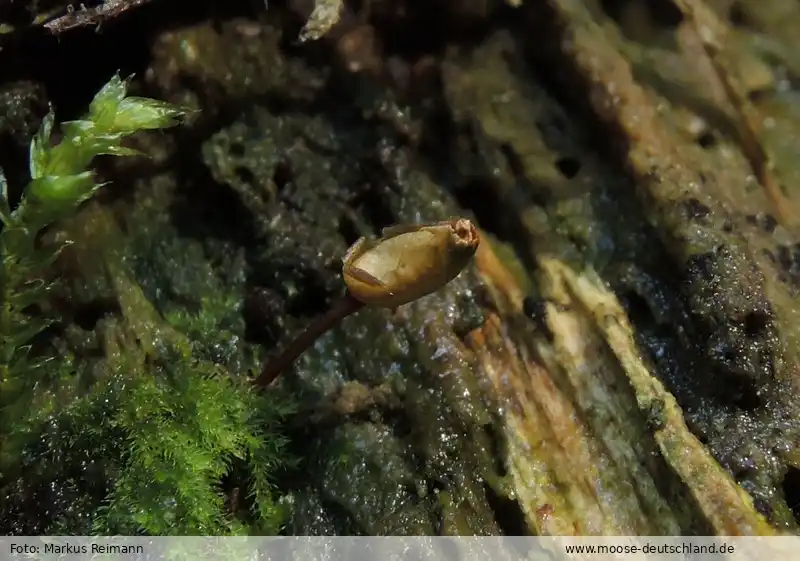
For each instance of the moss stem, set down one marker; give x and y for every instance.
(340, 310)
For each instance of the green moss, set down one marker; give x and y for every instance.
(183, 431)
(60, 182)
(155, 436)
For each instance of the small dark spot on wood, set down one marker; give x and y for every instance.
(743, 394)
(245, 175)
(569, 167)
(707, 140)
(737, 15)
(791, 490)
(785, 257)
(237, 149)
(508, 514)
(755, 324)
(283, 174)
(663, 13)
(637, 306)
(536, 310)
(702, 264)
(766, 222)
(742, 467)
(87, 315)
(796, 253)
(694, 209)
(478, 195)
(757, 95)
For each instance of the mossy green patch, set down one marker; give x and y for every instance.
(148, 428)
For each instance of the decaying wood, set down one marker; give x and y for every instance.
(596, 445)
(711, 32)
(666, 176)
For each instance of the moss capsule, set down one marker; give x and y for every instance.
(408, 262)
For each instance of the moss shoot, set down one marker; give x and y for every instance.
(158, 439)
